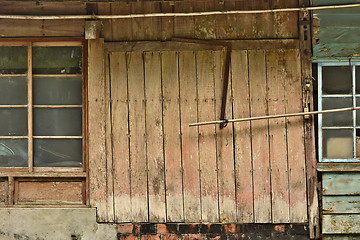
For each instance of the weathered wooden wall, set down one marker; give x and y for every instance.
(165, 171)
(145, 163)
(237, 26)
(336, 31)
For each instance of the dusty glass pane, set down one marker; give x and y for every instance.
(58, 153)
(13, 91)
(13, 153)
(13, 60)
(337, 119)
(337, 80)
(13, 122)
(57, 60)
(338, 144)
(357, 112)
(357, 79)
(57, 121)
(58, 90)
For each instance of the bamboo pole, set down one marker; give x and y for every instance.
(274, 116)
(145, 15)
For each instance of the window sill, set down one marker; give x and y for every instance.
(338, 167)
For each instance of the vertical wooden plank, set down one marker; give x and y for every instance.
(121, 28)
(108, 144)
(225, 24)
(97, 119)
(310, 152)
(295, 135)
(205, 26)
(225, 151)
(138, 32)
(139, 182)
(260, 137)
(184, 27)
(154, 137)
(152, 26)
(172, 137)
(242, 137)
(120, 137)
(207, 137)
(167, 23)
(189, 141)
(103, 9)
(277, 135)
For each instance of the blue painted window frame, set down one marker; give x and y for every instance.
(353, 95)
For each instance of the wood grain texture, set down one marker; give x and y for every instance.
(224, 145)
(138, 31)
(207, 137)
(341, 204)
(152, 26)
(121, 28)
(184, 27)
(295, 137)
(242, 137)
(189, 141)
(341, 224)
(277, 136)
(172, 137)
(109, 143)
(341, 183)
(260, 137)
(48, 192)
(154, 137)
(97, 128)
(120, 137)
(139, 177)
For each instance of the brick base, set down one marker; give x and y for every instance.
(174, 231)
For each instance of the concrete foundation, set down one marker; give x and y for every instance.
(54, 224)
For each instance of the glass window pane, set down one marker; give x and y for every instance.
(338, 144)
(336, 80)
(58, 153)
(357, 112)
(13, 122)
(13, 60)
(13, 91)
(13, 153)
(57, 60)
(357, 78)
(58, 90)
(337, 119)
(58, 122)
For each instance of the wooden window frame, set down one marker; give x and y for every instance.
(31, 170)
(321, 96)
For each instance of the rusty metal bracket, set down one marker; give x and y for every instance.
(228, 47)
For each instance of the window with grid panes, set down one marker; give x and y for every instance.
(339, 133)
(41, 105)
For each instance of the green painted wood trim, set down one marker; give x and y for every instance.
(341, 224)
(341, 183)
(341, 204)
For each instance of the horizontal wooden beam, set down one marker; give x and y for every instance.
(179, 46)
(338, 167)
